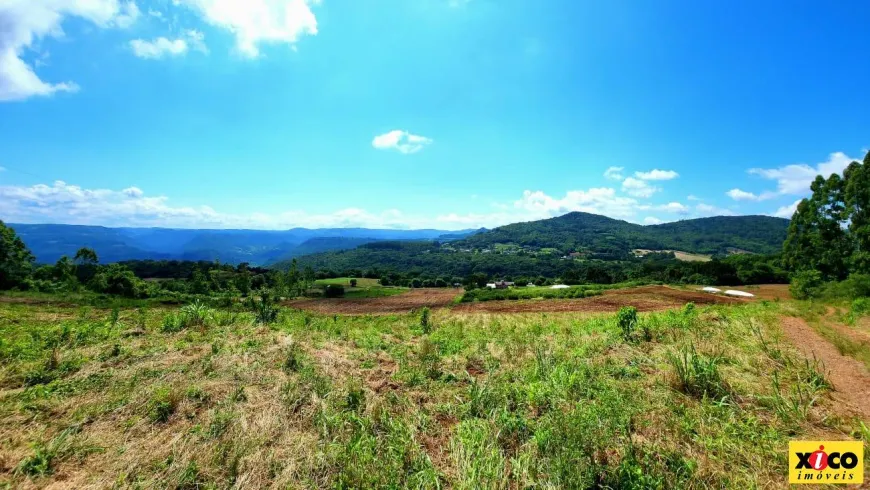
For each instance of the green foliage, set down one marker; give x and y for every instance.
(530, 293)
(830, 231)
(162, 404)
(697, 374)
(805, 283)
(16, 261)
(626, 318)
(333, 291)
(424, 320)
(265, 309)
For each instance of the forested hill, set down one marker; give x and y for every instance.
(591, 233)
(541, 248)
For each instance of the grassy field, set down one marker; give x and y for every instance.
(543, 292)
(361, 282)
(202, 398)
(684, 256)
(365, 288)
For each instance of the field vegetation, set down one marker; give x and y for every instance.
(202, 397)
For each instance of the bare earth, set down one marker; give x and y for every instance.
(646, 298)
(850, 378)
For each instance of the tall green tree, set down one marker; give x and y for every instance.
(16, 261)
(830, 231)
(857, 195)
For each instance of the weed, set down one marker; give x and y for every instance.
(424, 320)
(265, 310)
(293, 358)
(626, 318)
(162, 404)
(698, 375)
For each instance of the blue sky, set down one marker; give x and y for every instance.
(447, 114)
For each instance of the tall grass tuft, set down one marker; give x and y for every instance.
(698, 375)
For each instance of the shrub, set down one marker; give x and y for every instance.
(627, 321)
(265, 310)
(424, 320)
(805, 284)
(162, 404)
(333, 291)
(196, 314)
(698, 375)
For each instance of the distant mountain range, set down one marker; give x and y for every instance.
(49, 242)
(537, 247)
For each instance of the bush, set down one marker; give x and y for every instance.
(333, 291)
(698, 375)
(265, 310)
(424, 320)
(627, 321)
(805, 284)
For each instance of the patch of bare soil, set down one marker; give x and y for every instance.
(850, 378)
(645, 298)
(401, 303)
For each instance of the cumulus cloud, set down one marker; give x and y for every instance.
(614, 173)
(401, 141)
(164, 47)
(26, 22)
(657, 175)
(787, 211)
(674, 207)
(602, 200)
(796, 179)
(258, 22)
(740, 195)
(652, 220)
(638, 188)
(158, 48)
(131, 206)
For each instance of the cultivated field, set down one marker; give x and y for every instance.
(645, 298)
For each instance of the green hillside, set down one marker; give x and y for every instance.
(539, 248)
(599, 235)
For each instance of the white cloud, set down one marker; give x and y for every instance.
(638, 188)
(796, 179)
(740, 195)
(133, 192)
(158, 48)
(128, 16)
(709, 210)
(694, 198)
(787, 211)
(163, 47)
(673, 207)
(257, 22)
(155, 13)
(26, 22)
(131, 206)
(657, 175)
(614, 173)
(401, 141)
(652, 220)
(602, 200)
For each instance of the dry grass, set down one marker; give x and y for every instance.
(317, 401)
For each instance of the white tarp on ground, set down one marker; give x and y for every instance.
(559, 286)
(711, 290)
(742, 294)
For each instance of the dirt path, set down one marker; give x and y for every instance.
(850, 379)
